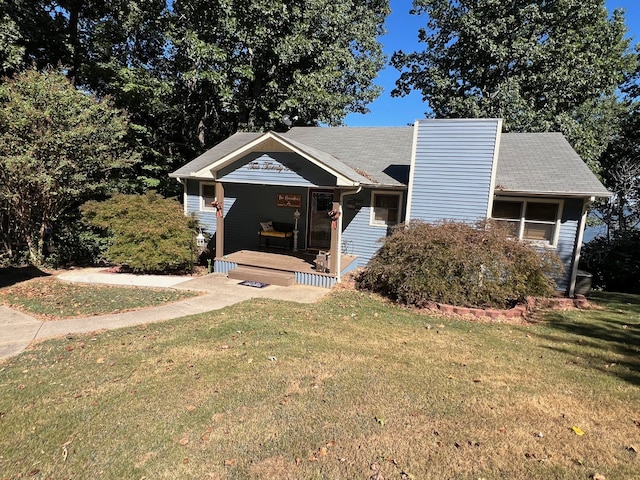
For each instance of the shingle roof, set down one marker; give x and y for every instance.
(534, 163)
(543, 163)
(222, 149)
(382, 154)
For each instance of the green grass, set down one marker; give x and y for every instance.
(345, 388)
(50, 298)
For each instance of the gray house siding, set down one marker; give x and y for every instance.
(359, 237)
(567, 238)
(278, 168)
(452, 174)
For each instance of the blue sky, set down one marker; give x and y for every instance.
(402, 34)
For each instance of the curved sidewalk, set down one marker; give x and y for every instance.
(19, 330)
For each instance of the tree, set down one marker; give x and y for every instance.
(243, 64)
(58, 148)
(37, 34)
(11, 52)
(539, 65)
(148, 233)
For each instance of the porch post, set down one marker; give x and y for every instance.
(219, 190)
(335, 235)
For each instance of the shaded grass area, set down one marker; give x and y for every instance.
(350, 387)
(606, 340)
(12, 275)
(50, 298)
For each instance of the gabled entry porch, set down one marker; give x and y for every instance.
(270, 182)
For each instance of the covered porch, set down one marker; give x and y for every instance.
(281, 268)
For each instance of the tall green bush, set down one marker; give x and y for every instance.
(459, 264)
(148, 233)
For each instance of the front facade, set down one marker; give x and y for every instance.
(341, 190)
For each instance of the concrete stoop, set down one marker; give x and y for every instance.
(264, 275)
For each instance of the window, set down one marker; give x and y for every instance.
(207, 195)
(385, 208)
(532, 220)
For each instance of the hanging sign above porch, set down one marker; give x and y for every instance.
(292, 200)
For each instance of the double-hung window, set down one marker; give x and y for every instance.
(532, 220)
(385, 208)
(207, 195)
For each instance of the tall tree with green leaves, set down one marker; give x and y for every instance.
(58, 148)
(115, 48)
(540, 65)
(244, 64)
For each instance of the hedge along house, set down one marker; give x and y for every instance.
(340, 190)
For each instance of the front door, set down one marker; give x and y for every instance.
(319, 231)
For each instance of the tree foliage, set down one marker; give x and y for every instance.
(192, 72)
(148, 233)
(614, 261)
(539, 65)
(458, 264)
(58, 147)
(243, 64)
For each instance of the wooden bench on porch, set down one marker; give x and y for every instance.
(280, 233)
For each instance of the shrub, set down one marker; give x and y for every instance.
(148, 233)
(614, 263)
(459, 264)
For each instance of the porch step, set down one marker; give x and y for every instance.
(264, 275)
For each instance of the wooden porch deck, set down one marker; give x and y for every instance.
(284, 262)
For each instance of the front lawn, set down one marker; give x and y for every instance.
(51, 299)
(351, 387)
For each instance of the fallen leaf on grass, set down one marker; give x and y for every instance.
(184, 441)
(100, 360)
(380, 420)
(577, 430)
(230, 463)
(191, 408)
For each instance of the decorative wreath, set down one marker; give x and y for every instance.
(218, 206)
(334, 214)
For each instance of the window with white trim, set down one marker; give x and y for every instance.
(532, 220)
(207, 195)
(385, 208)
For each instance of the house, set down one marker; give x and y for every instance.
(340, 190)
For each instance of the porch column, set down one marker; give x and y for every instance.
(335, 250)
(219, 191)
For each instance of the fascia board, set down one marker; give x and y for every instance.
(525, 193)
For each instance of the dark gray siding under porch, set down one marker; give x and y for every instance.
(245, 206)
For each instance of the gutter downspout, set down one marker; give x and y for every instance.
(576, 256)
(339, 259)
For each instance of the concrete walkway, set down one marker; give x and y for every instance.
(18, 330)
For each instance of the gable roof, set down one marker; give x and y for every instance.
(528, 163)
(543, 163)
(373, 155)
(221, 150)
